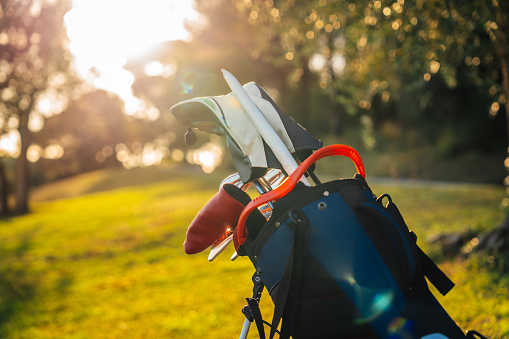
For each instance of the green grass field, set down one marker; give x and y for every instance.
(101, 256)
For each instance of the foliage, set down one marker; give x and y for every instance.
(376, 56)
(35, 77)
(110, 264)
(35, 63)
(407, 73)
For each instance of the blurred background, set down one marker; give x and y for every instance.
(88, 84)
(418, 87)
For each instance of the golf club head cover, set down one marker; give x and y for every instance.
(222, 212)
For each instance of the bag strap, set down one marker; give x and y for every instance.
(435, 275)
(474, 334)
(256, 315)
(287, 298)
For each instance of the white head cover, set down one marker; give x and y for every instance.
(246, 145)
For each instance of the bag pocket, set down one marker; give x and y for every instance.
(324, 310)
(393, 241)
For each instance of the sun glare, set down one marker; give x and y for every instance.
(105, 33)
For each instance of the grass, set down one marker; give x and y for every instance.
(101, 256)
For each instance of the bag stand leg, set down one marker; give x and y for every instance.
(251, 310)
(245, 328)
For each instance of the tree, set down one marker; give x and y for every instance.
(370, 51)
(35, 77)
(498, 239)
(86, 134)
(277, 44)
(382, 50)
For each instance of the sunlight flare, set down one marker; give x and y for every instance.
(104, 34)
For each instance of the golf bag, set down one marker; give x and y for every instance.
(338, 263)
(336, 260)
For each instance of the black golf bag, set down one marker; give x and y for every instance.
(339, 262)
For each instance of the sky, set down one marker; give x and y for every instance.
(104, 33)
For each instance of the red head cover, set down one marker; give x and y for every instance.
(222, 212)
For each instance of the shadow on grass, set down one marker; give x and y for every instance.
(16, 285)
(119, 247)
(20, 284)
(108, 179)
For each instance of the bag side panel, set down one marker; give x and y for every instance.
(340, 244)
(272, 259)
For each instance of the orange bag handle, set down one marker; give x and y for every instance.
(292, 180)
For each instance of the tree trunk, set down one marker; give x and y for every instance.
(22, 172)
(502, 45)
(4, 207)
(497, 239)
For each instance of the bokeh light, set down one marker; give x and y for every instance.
(209, 156)
(53, 151)
(156, 68)
(137, 155)
(10, 144)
